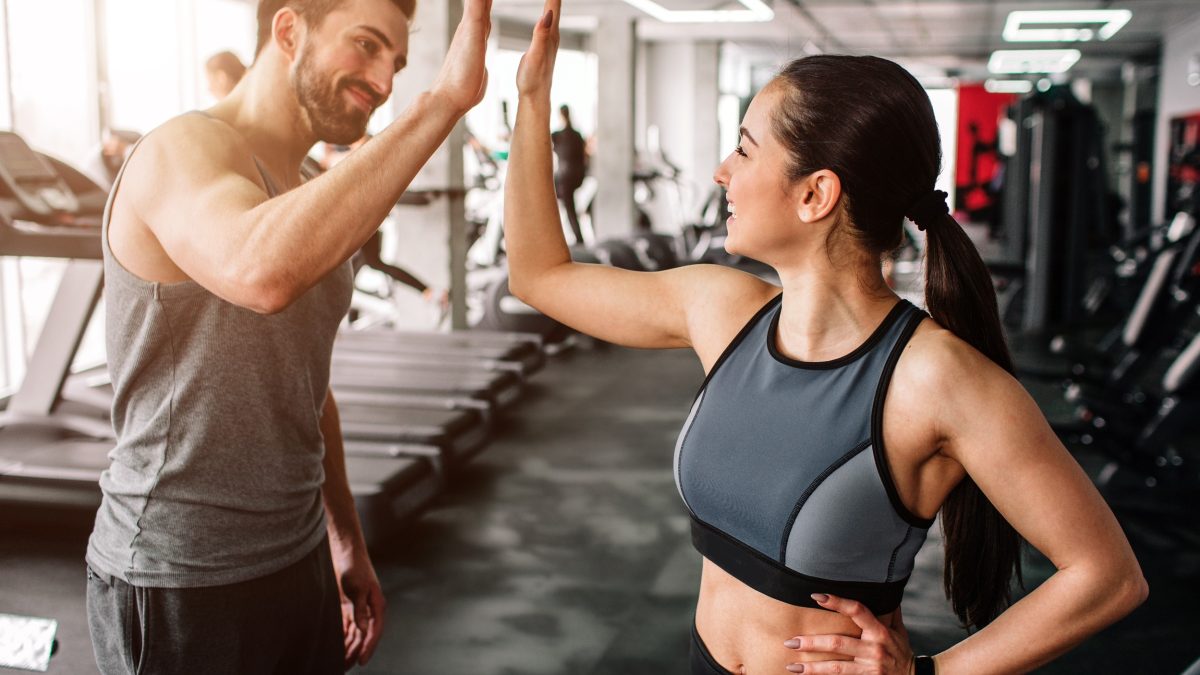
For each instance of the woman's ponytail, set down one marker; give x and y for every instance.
(982, 550)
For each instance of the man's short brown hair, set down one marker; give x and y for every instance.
(313, 12)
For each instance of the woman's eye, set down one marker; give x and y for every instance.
(740, 151)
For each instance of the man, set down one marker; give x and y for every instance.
(227, 528)
(223, 71)
(571, 152)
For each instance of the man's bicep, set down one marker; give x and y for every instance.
(199, 220)
(197, 202)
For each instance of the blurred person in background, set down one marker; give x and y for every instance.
(224, 70)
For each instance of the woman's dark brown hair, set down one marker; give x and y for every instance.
(870, 122)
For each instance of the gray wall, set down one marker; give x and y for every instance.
(1181, 43)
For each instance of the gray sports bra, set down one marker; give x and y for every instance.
(781, 466)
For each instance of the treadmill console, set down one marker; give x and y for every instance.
(32, 181)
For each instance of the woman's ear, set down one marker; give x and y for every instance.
(817, 195)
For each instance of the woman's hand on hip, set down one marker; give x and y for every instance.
(881, 649)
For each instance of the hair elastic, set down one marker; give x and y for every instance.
(929, 209)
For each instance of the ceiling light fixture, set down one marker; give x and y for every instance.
(1008, 86)
(1014, 61)
(755, 11)
(1068, 25)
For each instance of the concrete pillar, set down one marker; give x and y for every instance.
(706, 138)
(612, 166)
(430, 240)
(682, 94)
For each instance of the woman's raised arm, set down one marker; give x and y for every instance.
(636, 309)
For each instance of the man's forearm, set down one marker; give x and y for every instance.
(307, 232)
(345, 532)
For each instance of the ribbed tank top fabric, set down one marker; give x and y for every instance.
(781, 466)
(217, 471)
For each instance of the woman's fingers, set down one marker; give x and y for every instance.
(832, 667)
(842, 645)
(880, 649)
(856, 611)
(537, 66)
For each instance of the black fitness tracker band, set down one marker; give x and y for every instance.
(923, 665)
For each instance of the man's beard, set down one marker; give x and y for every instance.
(333, 118)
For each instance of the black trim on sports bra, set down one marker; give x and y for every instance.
(885, 472)
(777, 581)
(737, 340)
(862, 349)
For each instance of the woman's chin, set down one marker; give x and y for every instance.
(732, 248)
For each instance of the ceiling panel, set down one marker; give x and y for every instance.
(955, 34)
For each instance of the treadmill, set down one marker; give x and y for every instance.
(385, 368)
(520, 353)
(53, 450)
(498, 388)
(443, 432)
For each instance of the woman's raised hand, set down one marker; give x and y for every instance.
(536, 71)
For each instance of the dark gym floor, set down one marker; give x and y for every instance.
(564, 549)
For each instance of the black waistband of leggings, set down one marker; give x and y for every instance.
(701, 660)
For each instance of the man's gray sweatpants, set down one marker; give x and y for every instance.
(286, 622)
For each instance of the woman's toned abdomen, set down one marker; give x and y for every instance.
(745, 630)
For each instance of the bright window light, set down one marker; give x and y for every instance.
(1081, 25)
(1032, 60)
(756, 11)
(1008, 86)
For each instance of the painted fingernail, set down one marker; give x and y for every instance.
(794, 643)
(796, 668)
(820, 597)
(548, 19)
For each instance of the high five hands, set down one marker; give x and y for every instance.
(462, 80)
(882, 649)
(536, 71)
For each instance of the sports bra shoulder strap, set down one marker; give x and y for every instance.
(740, 337)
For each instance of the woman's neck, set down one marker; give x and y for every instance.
(831, 307)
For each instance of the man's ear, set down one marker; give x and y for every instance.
(817, 195)
(286, 29)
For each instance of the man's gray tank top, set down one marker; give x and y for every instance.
(782, 467)
(216, 475)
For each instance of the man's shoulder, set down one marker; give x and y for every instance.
(190, 144)
(194, 136)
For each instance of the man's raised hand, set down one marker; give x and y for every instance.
(462, 80)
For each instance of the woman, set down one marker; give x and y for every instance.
(837, 420)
